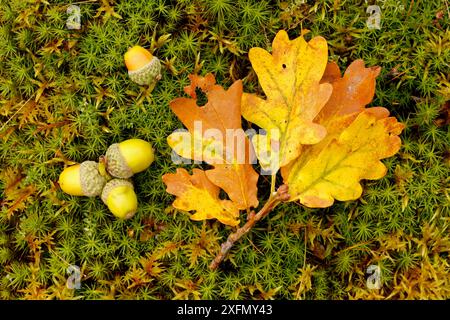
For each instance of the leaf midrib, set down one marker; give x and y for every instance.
(285, 100)
(233, 167)
(327, 172)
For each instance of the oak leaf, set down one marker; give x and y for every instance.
(357, 139)
(290, 78)
(196, 193)
(215, 136)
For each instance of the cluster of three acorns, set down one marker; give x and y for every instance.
(122, 161)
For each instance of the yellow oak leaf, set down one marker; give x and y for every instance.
(215, 136)
(290, 78)
(197, 147)
(196, 193)
(357, 139)
(336, 168)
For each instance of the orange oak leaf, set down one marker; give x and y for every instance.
(216, 137)
(196, 193)
(357, 139)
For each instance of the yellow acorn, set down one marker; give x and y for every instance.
(82, 180)
(120, 198)
(143, 67)
(129, 157)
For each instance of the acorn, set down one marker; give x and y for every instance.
(129, 157)
(143, 67)
(82, 180)
(120, 198)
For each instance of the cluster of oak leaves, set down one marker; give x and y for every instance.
(320, 134)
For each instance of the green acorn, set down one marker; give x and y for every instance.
(120, 198)
(143, 67)
(129, 157)
(82, 180)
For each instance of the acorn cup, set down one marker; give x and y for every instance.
(126, 158)
(143, 67)
(82, 179)
(120, 198)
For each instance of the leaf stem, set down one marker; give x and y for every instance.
(280, 196)
(272, 184)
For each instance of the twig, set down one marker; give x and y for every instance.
(280, 196)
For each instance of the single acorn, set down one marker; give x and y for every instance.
(129, 157)
(143, 67)
(120, 198)
(82, 180)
